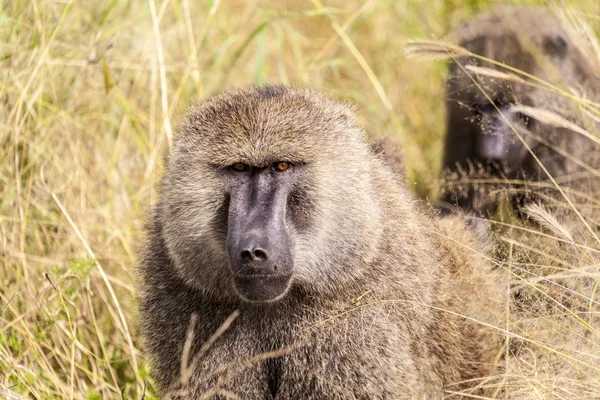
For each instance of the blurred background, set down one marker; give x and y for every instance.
(91, 94)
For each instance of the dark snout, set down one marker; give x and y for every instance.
(258, 244)
(497, 140)
(260, 261)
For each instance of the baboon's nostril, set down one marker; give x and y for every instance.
(253, 255)
(260, 254)
(246, 255)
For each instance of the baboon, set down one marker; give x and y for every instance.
(275, 207)
(484, 157)
(391, 150)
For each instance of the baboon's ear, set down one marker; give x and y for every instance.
(555, 45)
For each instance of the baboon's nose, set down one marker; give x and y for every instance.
(254, 254)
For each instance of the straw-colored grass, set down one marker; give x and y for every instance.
(91, 93)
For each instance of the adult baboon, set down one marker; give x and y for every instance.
(274, 205)
(391, 150)
(484, 156)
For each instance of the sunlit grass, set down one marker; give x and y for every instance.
(91, 94)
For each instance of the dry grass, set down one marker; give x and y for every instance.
(90, 94)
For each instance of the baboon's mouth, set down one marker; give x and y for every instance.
(262, 288)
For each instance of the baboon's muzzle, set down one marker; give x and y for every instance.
(257, 241)
(497, 140)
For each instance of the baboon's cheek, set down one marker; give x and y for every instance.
(256, 288)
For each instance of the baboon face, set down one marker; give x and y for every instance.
(486, 103)
(531, 41)
(258, 243)
(262, 193)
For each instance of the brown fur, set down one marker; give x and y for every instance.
(535, 41)
(379, 291)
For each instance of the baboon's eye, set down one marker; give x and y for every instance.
(240, 167)
(281, 166)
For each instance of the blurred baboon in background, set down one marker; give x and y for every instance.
(489, 107)
(495, 117)
(274, 206)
